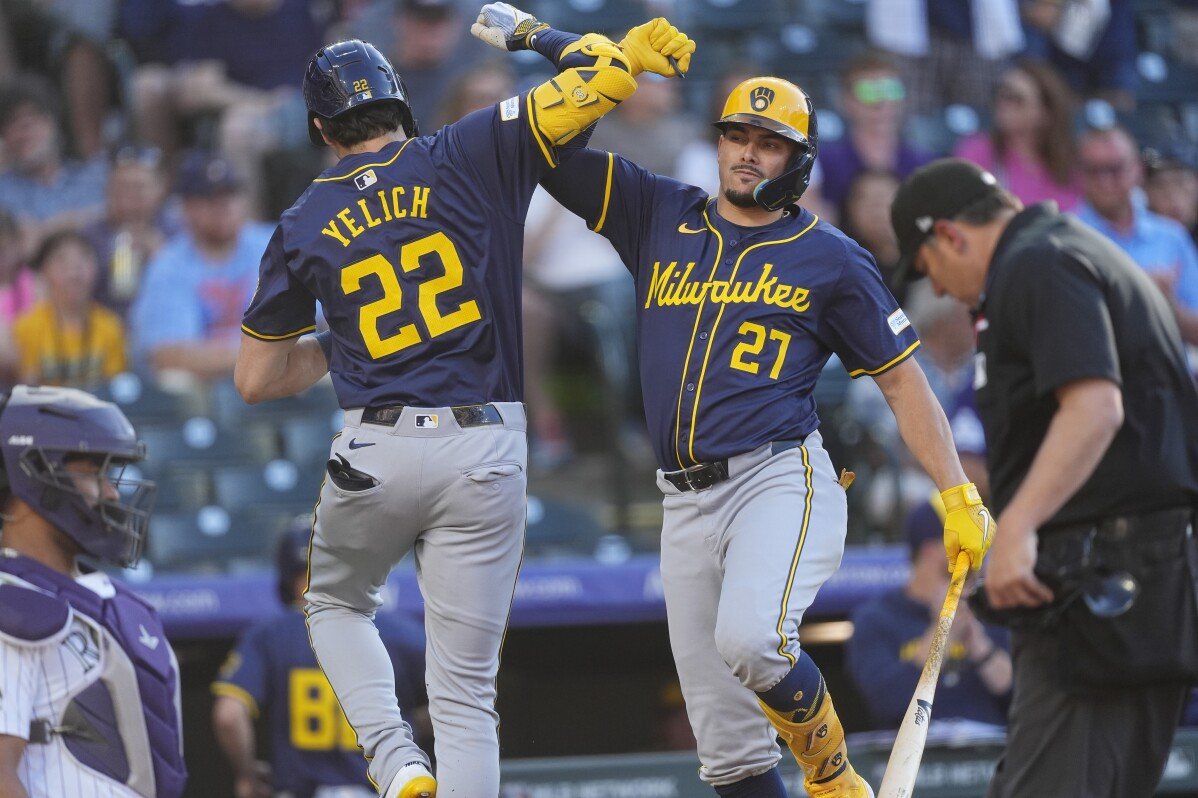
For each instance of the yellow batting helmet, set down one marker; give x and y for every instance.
(780, 107)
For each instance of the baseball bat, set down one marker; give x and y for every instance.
(899, 781)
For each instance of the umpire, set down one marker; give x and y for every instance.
(1091, 419)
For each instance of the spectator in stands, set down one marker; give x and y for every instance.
(134, 225)
(219, 67)
(478, 87)
(1111, 173)
(865, 217)
(43, 191)
(273, 676)
(672, 729)
(951, 51)
(68, 339)
(1171, 184)
(66, 40)
(1093, 44)
(1030, 146)
(871, 98)
(187, 315)
(18, 292)
(893, 632)
(650, 127)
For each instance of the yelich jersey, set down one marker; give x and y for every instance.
(734, 323)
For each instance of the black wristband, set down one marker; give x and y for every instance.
(325, 339)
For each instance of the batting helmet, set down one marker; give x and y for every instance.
(43, 429)
(291, 555)
(783, 108)
(348, 75)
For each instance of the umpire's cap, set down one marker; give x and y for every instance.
(348, 75)
(939, 190)
(783, 108)
(291, 555)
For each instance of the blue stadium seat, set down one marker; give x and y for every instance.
(145, 403)
(279, 484)
(613, 17)
(200, 441)
(306, 439)
(211, 539)
(232, 411)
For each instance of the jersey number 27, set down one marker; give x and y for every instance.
(436, 322)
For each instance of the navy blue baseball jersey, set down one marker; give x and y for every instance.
(274, 672)
(734, 323)
(414, 254)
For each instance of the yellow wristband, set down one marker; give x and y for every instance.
(960, 497)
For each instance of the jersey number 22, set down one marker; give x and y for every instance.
(435, 321)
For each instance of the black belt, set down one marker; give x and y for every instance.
(704, 475)
(466, 415)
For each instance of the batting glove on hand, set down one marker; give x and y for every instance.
(968, 525)
(649, 48)
(506, 27)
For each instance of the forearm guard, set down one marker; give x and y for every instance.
(597, 79)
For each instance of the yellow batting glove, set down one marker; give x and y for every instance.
(968, 525)
(649, 48)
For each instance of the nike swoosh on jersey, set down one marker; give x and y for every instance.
(682, 228)
(353, 444)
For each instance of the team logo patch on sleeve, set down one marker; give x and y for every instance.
(898, 321)
(366, 179)
(509, 109)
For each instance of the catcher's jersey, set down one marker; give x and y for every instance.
(734, 323)
(83, 679)
(414, 253)
(274, 672)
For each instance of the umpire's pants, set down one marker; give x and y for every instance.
(1094, 744)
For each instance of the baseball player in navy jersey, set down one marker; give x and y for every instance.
(89, 685)
(742, 298)
(272, 676)
(412, 244)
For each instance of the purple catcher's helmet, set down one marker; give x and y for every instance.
(41, 430)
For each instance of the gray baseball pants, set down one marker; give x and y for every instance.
(456, 497)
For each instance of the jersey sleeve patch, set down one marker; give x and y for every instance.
(898, 321)
(509, 109)
(29, 617)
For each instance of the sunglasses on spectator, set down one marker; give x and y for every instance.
(872, 91)
(1109, 169)
(137, 155)
(1007, 94)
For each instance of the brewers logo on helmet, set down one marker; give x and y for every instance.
(783, 108)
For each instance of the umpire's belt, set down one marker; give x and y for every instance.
(466, 415)
(704, 475)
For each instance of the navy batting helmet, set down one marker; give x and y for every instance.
(44, 429)
(348, 75)
(291, 556)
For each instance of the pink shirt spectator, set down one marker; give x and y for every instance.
(1027, 180)
(18, 297)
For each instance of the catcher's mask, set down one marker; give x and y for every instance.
(42, 431)
(783, 108)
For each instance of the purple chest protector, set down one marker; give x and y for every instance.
(135, 627)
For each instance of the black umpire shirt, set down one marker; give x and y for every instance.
(1063, 303)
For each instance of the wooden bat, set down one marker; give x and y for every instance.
(899, 781)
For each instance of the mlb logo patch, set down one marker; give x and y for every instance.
(428, 420)
(366, 179)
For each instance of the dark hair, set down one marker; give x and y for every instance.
(866, 61)
(364, 123)
(27, 89)
(989, 207)
(56, 241)
(1055, 145)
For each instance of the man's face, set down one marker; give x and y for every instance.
(874, 98)
(425, 39)
(216, 220)
(951, 264)
(1174, 193)
(1110, 170)
(91, 482)
(135, 192)
(30, 138)
(748, 154)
